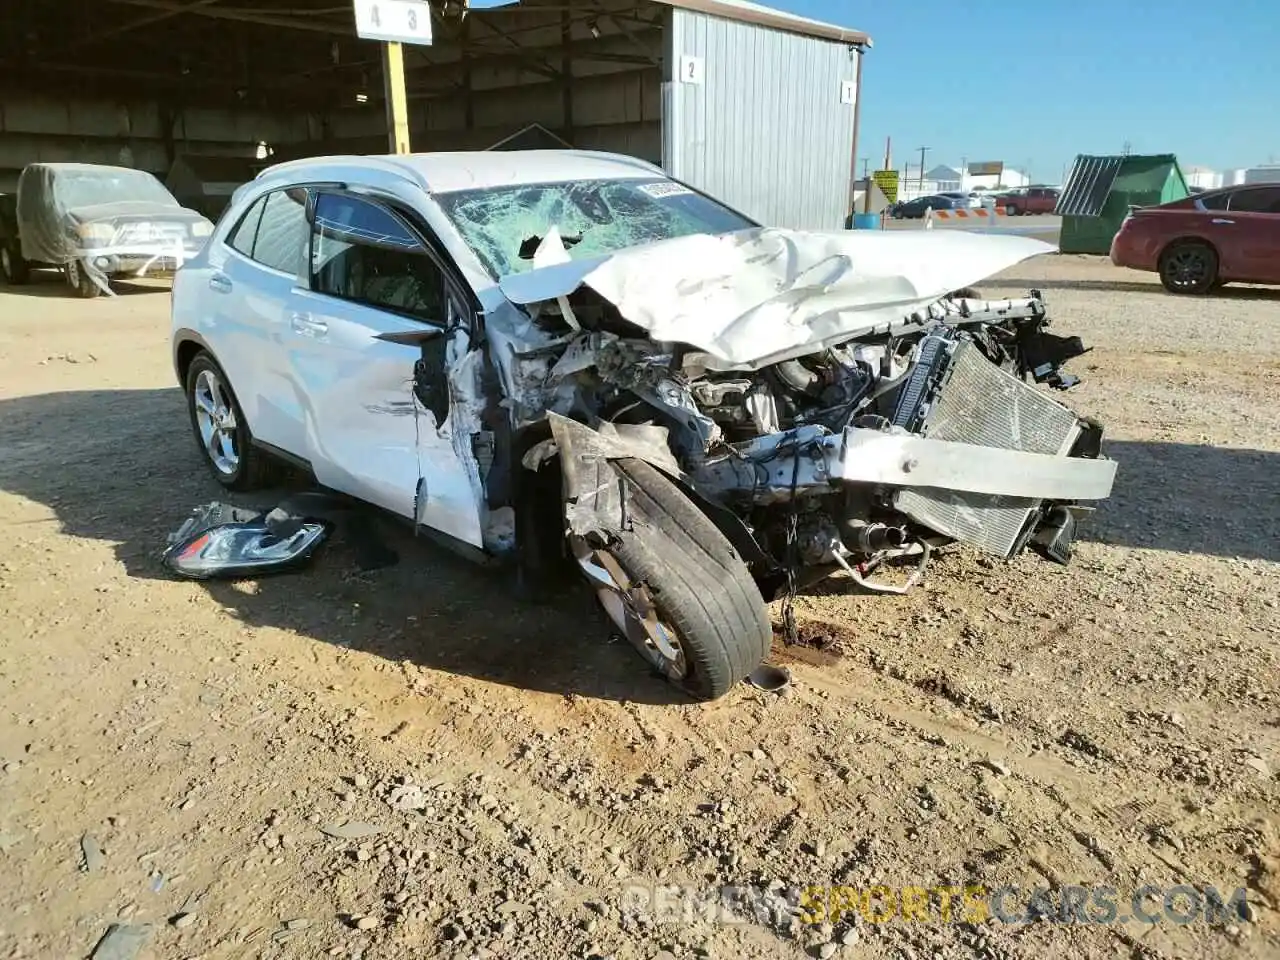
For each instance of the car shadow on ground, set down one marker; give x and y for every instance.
(121, 466)
(1191, 498)
(50, 283)
(131, 473)
(1136, 286)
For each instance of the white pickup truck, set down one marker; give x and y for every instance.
(94, 223)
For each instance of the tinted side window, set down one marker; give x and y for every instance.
(1262, 200)
(282, 232)
(241, 236)
(363, 252)
(1215, 201)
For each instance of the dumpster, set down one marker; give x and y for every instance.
(1098, 193)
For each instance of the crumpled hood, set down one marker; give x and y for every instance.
(755, 297)
(133, 210)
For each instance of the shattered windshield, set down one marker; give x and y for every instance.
(504, 225)
(84, 189)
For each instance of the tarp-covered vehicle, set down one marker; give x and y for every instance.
(573, 360)
(96, 223)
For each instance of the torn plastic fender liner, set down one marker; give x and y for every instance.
(595, 498)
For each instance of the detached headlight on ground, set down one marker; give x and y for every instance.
(218, 542)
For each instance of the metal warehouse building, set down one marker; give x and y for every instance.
(753, 105)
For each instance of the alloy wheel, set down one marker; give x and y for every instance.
(216, 421)
(632, 610)
(1187, 269)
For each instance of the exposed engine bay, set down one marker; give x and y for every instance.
(873, 449)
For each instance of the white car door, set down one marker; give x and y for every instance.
(368, 433)
(251, 281)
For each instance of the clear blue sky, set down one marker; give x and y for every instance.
(1043, 80)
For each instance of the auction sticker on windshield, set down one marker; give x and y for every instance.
(664, 188)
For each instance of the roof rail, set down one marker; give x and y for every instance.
(401, 170)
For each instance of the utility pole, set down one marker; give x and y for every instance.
(396, 99)
(866, 164)
(394, 23)
(923, 151)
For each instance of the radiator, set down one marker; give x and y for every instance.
(979, 403)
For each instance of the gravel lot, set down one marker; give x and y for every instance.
(173, 753)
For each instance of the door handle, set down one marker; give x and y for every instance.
(220, 283)
(1221, 220)
(308, 326)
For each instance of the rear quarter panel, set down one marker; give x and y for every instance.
(1150, 232)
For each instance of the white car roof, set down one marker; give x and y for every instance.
(447, 172)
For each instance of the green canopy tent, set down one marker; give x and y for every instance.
(1098, 193)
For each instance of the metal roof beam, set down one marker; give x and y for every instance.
(132, 25)
(242, 16)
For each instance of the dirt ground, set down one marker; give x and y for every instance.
(498, 780)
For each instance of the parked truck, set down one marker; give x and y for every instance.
(1029, 200)
(94, 223)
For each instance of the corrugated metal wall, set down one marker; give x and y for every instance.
(766, 130)
(618, 111)
(129, 133)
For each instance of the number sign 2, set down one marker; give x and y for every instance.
(691, 69)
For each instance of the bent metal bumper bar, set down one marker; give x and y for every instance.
(811, 457)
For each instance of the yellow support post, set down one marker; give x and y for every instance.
(397, 98)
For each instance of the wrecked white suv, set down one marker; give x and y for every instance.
(569, 359)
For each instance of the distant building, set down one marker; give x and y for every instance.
(1009, 179)
(1202, 178)
(944, 178)
(939, 179)
(1263, 173)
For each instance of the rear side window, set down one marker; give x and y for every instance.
(1215, 201)
(1262, 200)
(363, 252)
(241, 237)
(282, 232)
(274, 230)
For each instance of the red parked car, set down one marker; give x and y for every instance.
(1199, 243)
(1019, 203)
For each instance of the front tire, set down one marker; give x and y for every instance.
(79, 280)
(1189, 267)
(688, 604)
(13, 268)
(220, 428)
